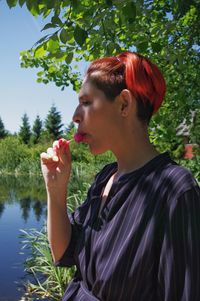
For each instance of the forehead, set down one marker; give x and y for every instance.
(89, 90)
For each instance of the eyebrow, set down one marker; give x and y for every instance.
(83, 96)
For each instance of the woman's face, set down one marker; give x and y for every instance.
(98, 118)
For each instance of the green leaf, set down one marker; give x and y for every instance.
(11, 3)
(54, 37)
(50, 4)
(56, 20)
(32, 7)
(40, 73)
(46, 13)
(63, 36)
(52, 45)
(75, 4)
(49, 25)
(21, 2)
(109, 3)
(69, 58)
(156, 47)
(39, 52)
(129, 11)
(142, 46)
(59, 55)
(80, 35)
(51, 69)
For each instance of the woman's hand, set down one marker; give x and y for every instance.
(56, 165)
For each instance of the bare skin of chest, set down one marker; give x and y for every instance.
(106, 191)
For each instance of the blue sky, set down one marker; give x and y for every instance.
(19, 91)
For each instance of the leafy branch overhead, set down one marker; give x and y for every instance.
(167, 31)
(85, 29)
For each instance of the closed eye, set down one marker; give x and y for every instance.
(86, 103)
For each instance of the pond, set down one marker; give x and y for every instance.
(22, 206)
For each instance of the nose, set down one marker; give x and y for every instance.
(77, 116)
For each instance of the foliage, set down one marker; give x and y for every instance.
(31, 163)
(195, 132)
(49, 281)
(193, 165)
(3, 132)
(166, 31)
(36, 129)
(70, 130)
(12, 153)
(25, 129)
(53, 123)
(17, 158)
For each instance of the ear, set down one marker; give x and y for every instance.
(126, 102)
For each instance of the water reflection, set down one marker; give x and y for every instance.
(28, 192)
(22, 206)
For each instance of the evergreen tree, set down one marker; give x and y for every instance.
(3, 132)
(25, 129)
(70, 127)
(37, 129)
(70, 130)
(53, 123)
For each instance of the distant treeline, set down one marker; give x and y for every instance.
(40, 131)
(20, 152)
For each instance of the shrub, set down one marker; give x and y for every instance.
(12, 153)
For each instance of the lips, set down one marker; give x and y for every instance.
(79, 137)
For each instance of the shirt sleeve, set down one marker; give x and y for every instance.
(179, 266)
(77, 219)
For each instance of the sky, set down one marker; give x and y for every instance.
(19, 91)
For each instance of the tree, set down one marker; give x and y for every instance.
(53, 123)
(166, 31)
(195, 130)
(25, 129)
(70, 130)
(37, 129)
(3, 132)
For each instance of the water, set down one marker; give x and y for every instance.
(22, 206)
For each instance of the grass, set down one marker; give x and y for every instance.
(47, 281)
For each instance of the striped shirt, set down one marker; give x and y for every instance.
(145, 244)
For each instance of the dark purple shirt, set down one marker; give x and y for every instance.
(145, 245)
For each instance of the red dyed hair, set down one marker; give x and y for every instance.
(131, 71)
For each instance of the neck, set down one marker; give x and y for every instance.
(134, 151)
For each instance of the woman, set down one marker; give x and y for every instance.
(137, 235)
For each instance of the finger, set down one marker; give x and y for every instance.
(46, 157)
(64, 151)
(62, 145)
(59, 144)
(51, 152)
(55, 145)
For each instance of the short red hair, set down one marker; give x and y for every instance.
(129, 70)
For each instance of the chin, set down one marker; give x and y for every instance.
(96, 151)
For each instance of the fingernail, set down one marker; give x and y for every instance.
(60, 142)
(55, 148)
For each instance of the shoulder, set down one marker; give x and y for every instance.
(177, 179)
